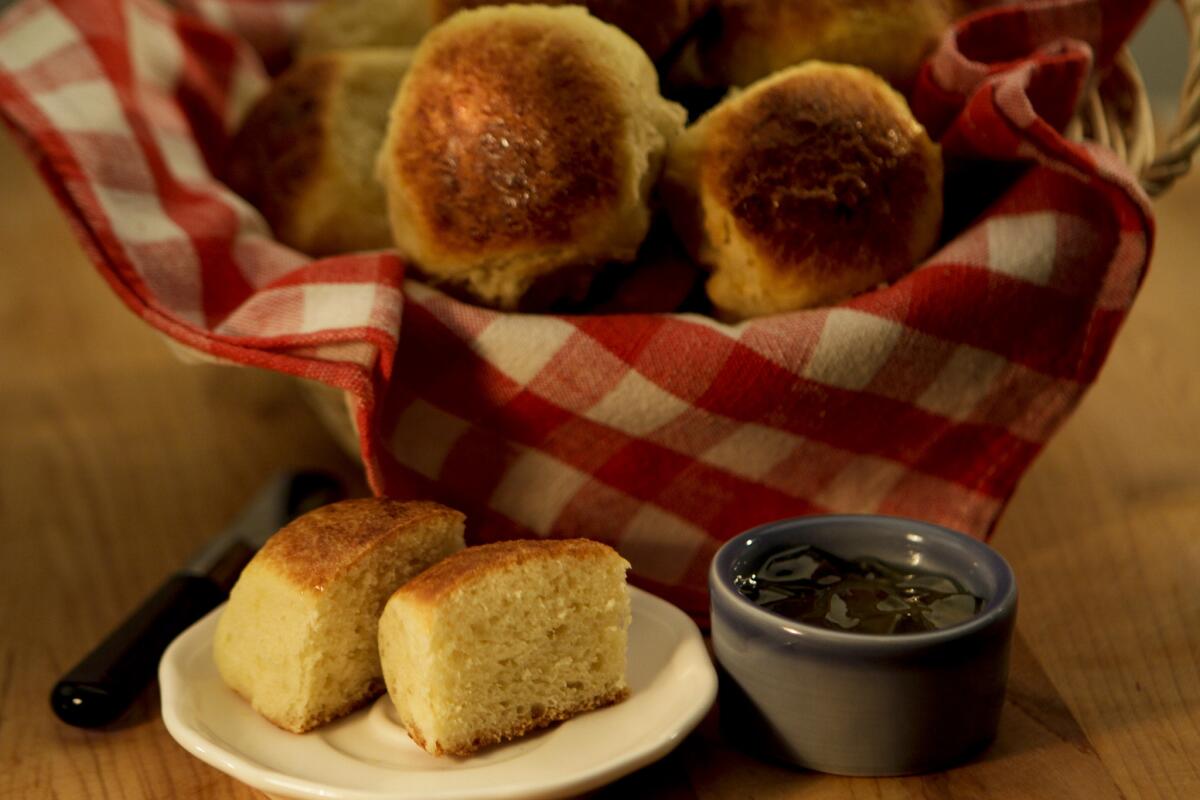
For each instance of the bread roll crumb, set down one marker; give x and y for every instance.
(506, 638)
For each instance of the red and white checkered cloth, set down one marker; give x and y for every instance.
(662, 434)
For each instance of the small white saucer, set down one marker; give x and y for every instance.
(368, 755)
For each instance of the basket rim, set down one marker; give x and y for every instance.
(1133, 135)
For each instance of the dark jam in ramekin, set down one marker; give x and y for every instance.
(861, 595)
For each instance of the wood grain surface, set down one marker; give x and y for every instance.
(117, 460)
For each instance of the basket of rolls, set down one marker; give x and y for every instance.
(647, 273)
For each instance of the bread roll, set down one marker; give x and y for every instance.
(305, 156)
(808, 187)
(656, 25)
(343, 24)
(505, 638)
(298, 638)
(750, 39)
(524, 144)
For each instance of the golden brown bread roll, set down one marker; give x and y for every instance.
(522, 149)
(343, 24)
(750, 39)
(305, 156)
(807, 187)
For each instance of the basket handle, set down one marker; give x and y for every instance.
(1174, 158)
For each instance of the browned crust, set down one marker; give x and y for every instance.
(824, 168)
(276, 154)
(528, 726)
(315, 548)
(507, 134)
(468, 566)
(414, 733)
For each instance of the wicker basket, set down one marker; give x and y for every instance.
(1115, 113)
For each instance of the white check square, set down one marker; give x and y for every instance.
(38, 36)
(852, 349)
(1023, 245)
(424, 436)
(966, 378)
(329, 306)
(84, 107)
(752, 450)
(636, 406)
(520, 345)
(535, 489)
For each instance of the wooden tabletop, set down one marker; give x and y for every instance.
(117, 460)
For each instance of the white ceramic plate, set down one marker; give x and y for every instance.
(368, 756)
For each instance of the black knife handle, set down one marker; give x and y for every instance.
(107, 681)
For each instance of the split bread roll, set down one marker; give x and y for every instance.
(298, 638)
(656, 25)
(305, 156)
(523, 148)
(808, 187)
(505, 638)
(751, 39)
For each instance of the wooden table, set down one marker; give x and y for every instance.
(117, 460)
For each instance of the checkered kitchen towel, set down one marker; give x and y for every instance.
(663, 434)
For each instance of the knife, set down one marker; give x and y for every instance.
(107, 681)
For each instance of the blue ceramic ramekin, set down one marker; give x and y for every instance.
(860, 704)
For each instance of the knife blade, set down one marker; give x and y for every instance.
(101, 687)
